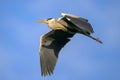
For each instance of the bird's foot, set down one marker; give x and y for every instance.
(98, 40)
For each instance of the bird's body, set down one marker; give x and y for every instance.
(62, 30)
(56, 26)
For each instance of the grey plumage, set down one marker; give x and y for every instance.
(51, 43)
(63, 29)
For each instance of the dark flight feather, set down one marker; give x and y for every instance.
(81, 24)
(51, 43)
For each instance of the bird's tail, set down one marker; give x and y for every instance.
(94, 38)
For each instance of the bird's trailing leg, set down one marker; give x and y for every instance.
(94, 38)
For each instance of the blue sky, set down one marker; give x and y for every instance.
(80, 59)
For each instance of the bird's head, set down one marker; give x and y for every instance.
(44, 21)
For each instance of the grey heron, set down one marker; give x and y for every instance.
(63, 29)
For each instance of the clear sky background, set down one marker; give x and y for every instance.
(80, 59)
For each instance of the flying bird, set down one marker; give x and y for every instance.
(62, 29)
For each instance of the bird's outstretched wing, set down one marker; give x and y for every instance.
(50, 45)
(81, 24)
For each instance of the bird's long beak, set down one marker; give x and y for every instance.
(42, 21)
